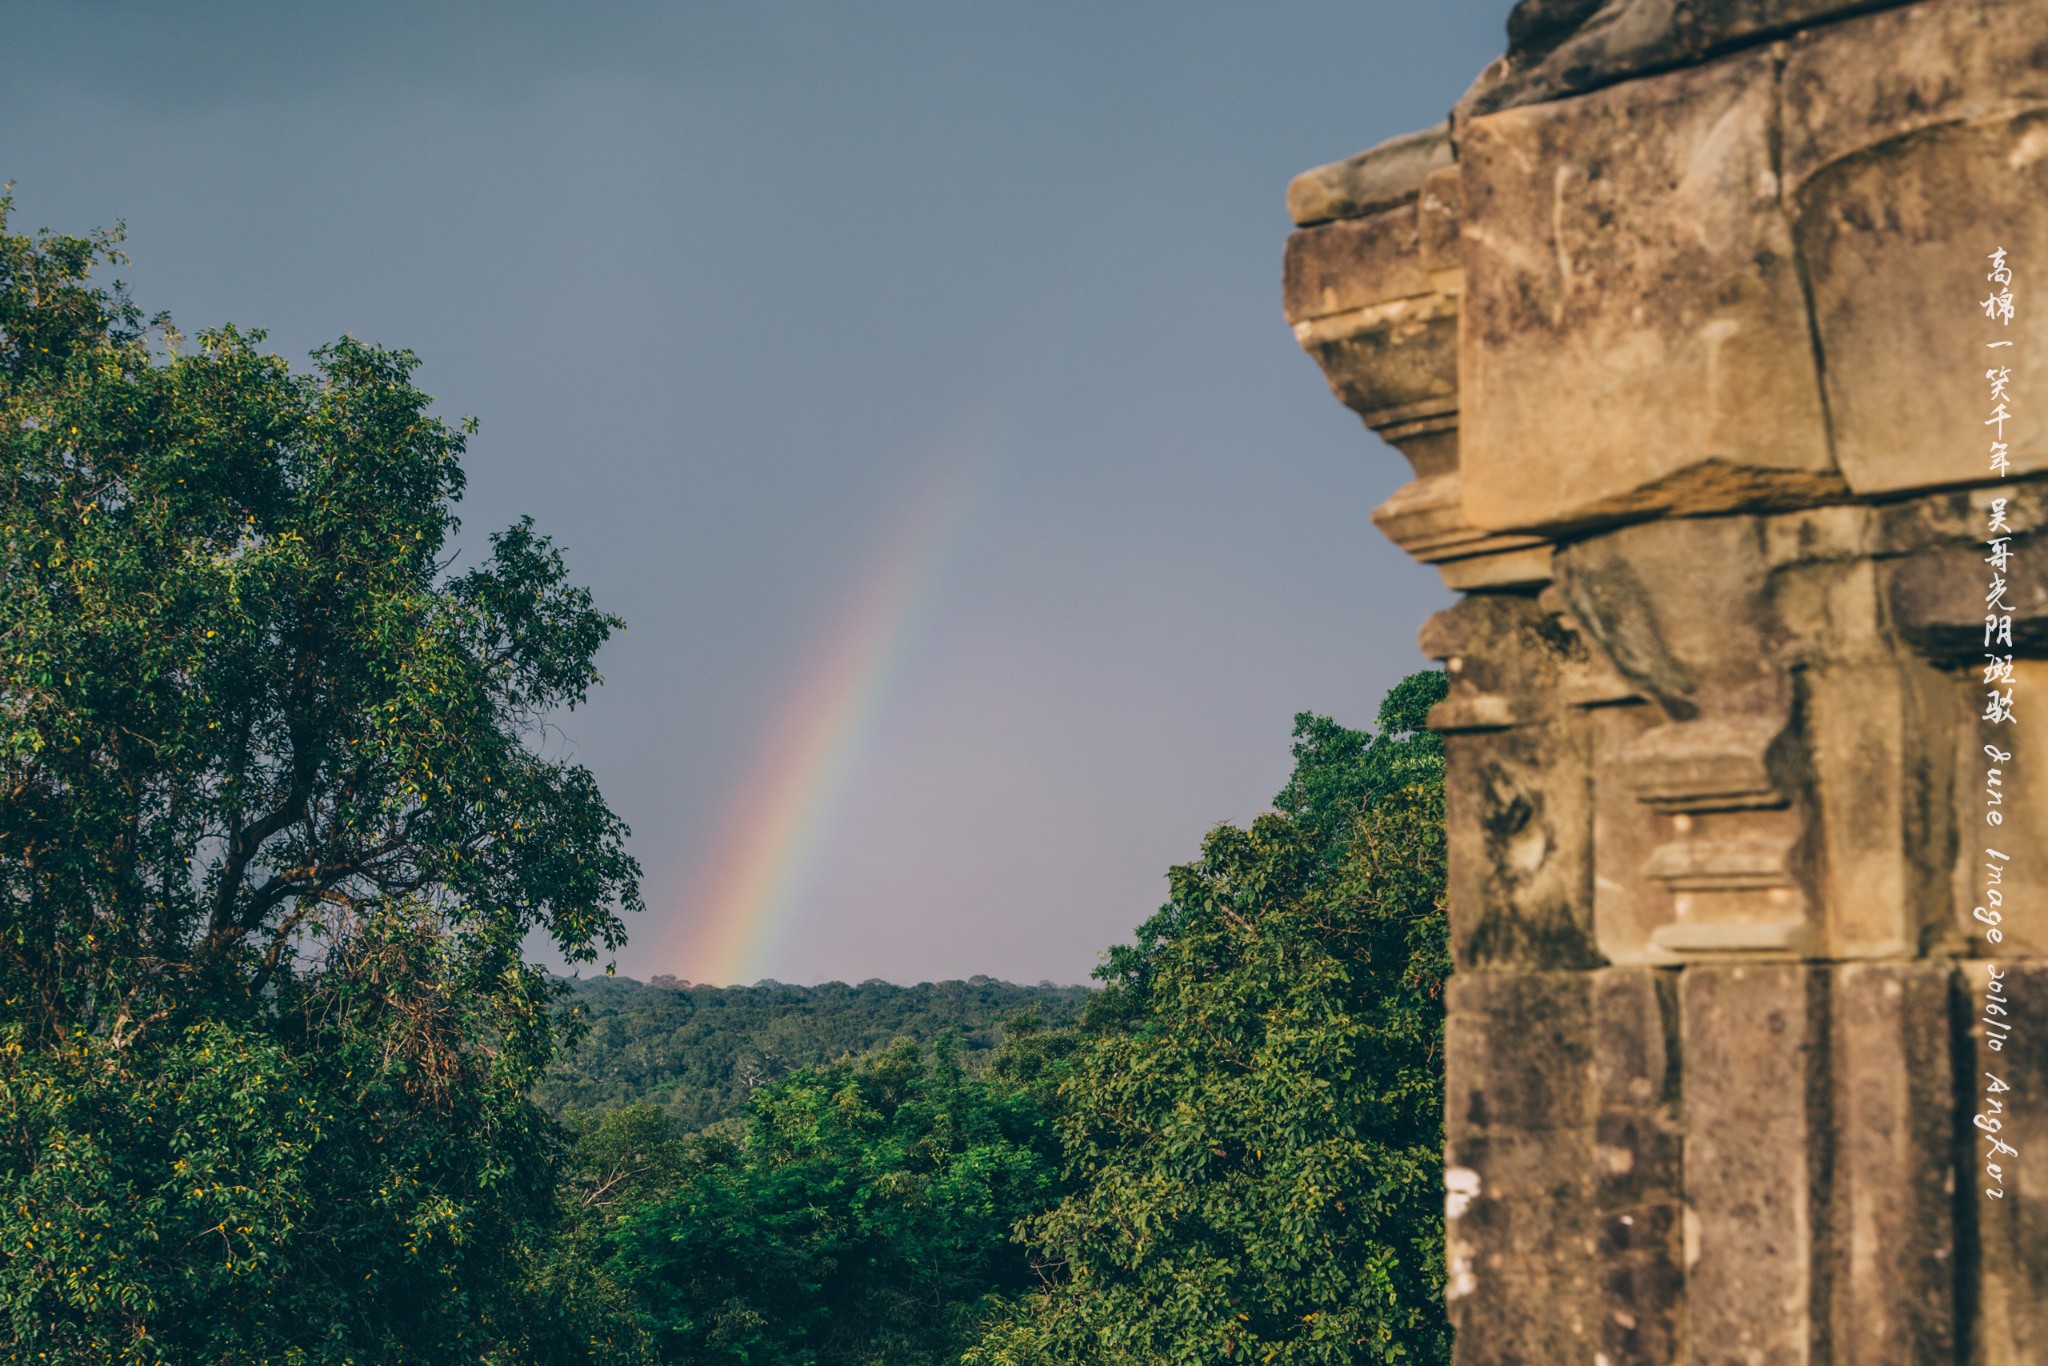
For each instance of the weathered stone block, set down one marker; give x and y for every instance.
(2008, 1235)
(1937, 601)
(1426, 518)
(1559, 47)
(1639, 1166)
(1850, 88)
(1518, 785)
(1627, 906)
(1391, 363)
(1563, 1166)
(1518, 1053)
(1344, 266)
(1516, 566)
(1755, 1042)
(1521, 874)
(1915, 144)
(1375, 179)
(1635, 335)
(1879, 735)
(1519, 1168)
(1892, 1242)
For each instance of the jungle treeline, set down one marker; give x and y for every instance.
(698, 1052)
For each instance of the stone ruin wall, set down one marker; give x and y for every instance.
(1678, 322)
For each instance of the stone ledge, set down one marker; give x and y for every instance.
(1381, 177)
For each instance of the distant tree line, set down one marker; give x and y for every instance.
(698, 1052)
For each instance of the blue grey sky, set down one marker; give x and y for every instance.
(727, 283)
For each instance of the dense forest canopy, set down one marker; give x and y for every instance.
(699, 1051)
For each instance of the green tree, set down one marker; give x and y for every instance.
(860, 1218)
(1253, 1133)
(273, 835)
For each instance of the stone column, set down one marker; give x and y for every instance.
(1675, 320)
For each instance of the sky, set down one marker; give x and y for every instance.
(910, 376)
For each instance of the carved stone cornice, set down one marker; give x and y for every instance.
(1373, 289)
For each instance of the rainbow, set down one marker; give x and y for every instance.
(765, 864)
